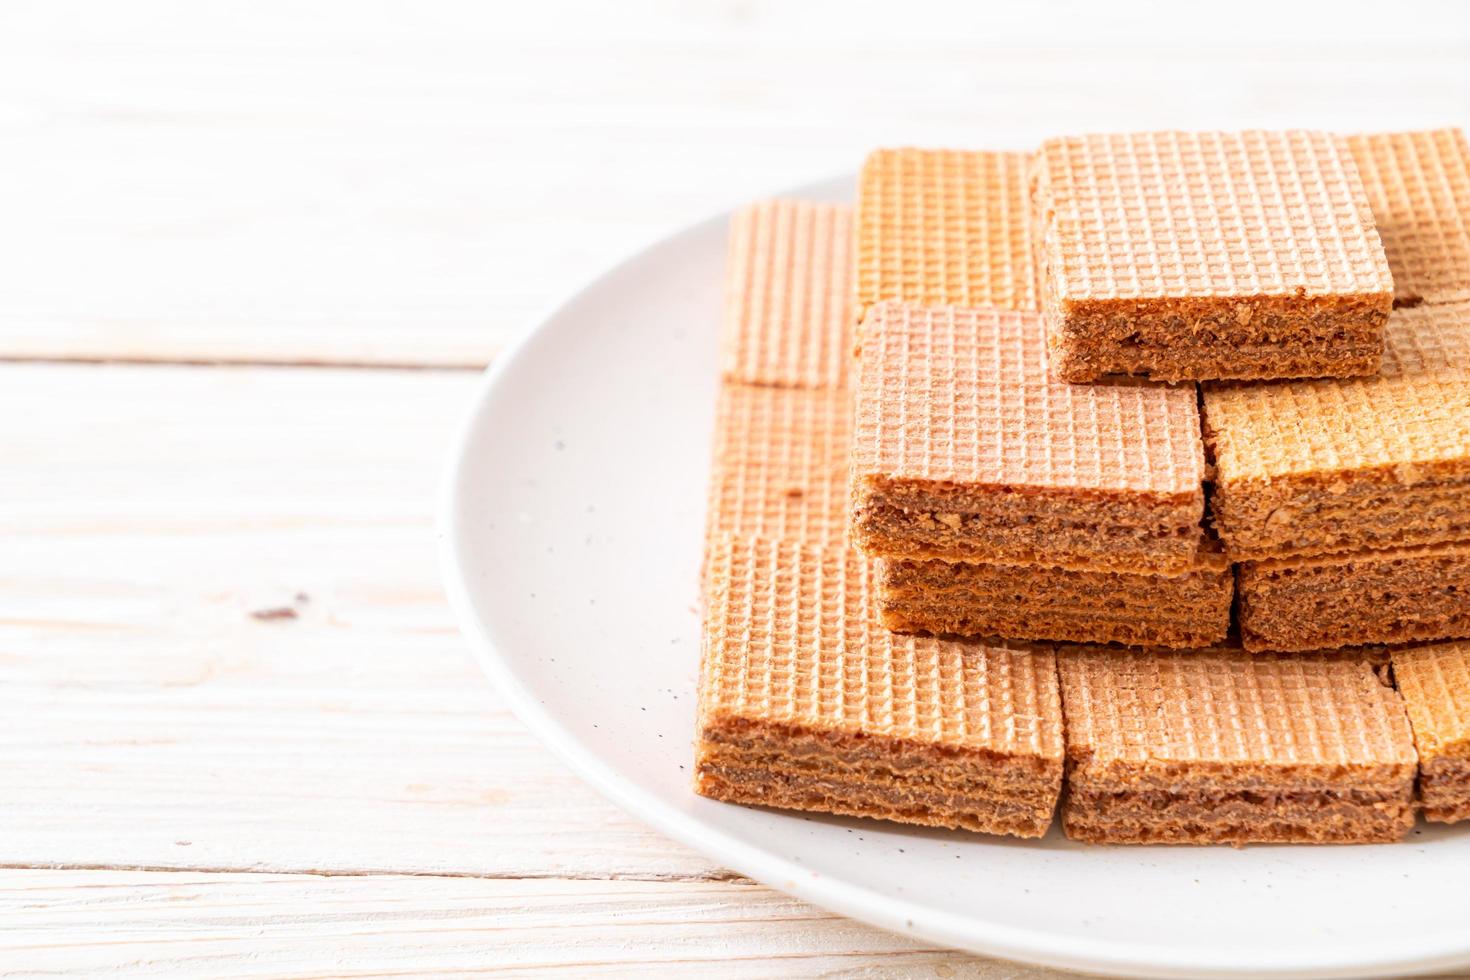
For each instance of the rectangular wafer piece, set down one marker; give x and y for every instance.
(1418, 184)
(944, 227)
(807, 703)
(1397, 595)
(1310, 467)
(1080, 606)
(1435, 683)
(966, 449)
(788, 319)
(1222, 747)
(1194, 256)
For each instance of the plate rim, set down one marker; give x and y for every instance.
(893, 914)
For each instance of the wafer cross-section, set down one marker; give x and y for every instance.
(1391, 595)
(1036, 602)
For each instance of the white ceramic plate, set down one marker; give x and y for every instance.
(571, 529)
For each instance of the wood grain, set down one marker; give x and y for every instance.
(188, 923)
(411, 183)
(226, 647)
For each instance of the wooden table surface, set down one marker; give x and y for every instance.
(250, 256)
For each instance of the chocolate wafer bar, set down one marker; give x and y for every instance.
(807, 703)
(1222, 747)
(788, 319)
(1081, 606)
(1435, 683)
(1418, 185)
(1397, 595)
(966, 449)
(1193, 256)
(1310, 467)
(944, 227)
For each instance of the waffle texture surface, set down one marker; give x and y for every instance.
(792, 639)
(1185, 215)
(939, 227)
(952, 395)
(1418, 185)
(788, 316)
(780, 464)
(1435, 682)
(1174, 716)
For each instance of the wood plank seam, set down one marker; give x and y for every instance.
(717, 876)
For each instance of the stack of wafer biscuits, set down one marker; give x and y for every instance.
(1001, 502)
(1347, 502)
(961, 566)
(999, 499)
(806, 701)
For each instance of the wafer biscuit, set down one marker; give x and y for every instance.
(1418, 185)
(966, 449)
(1191, 256)
(1222, 747)
(1435, 683)
(806, 702)
(1080, 606)
(788, 319)
(1310, 467)
(780, 471)
(780, 466)
(1398, 595)
(942, 227)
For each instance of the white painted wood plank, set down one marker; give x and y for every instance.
(411, 182)
(153, 719)
(162, 711)
(201, 924)
(193, 924)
